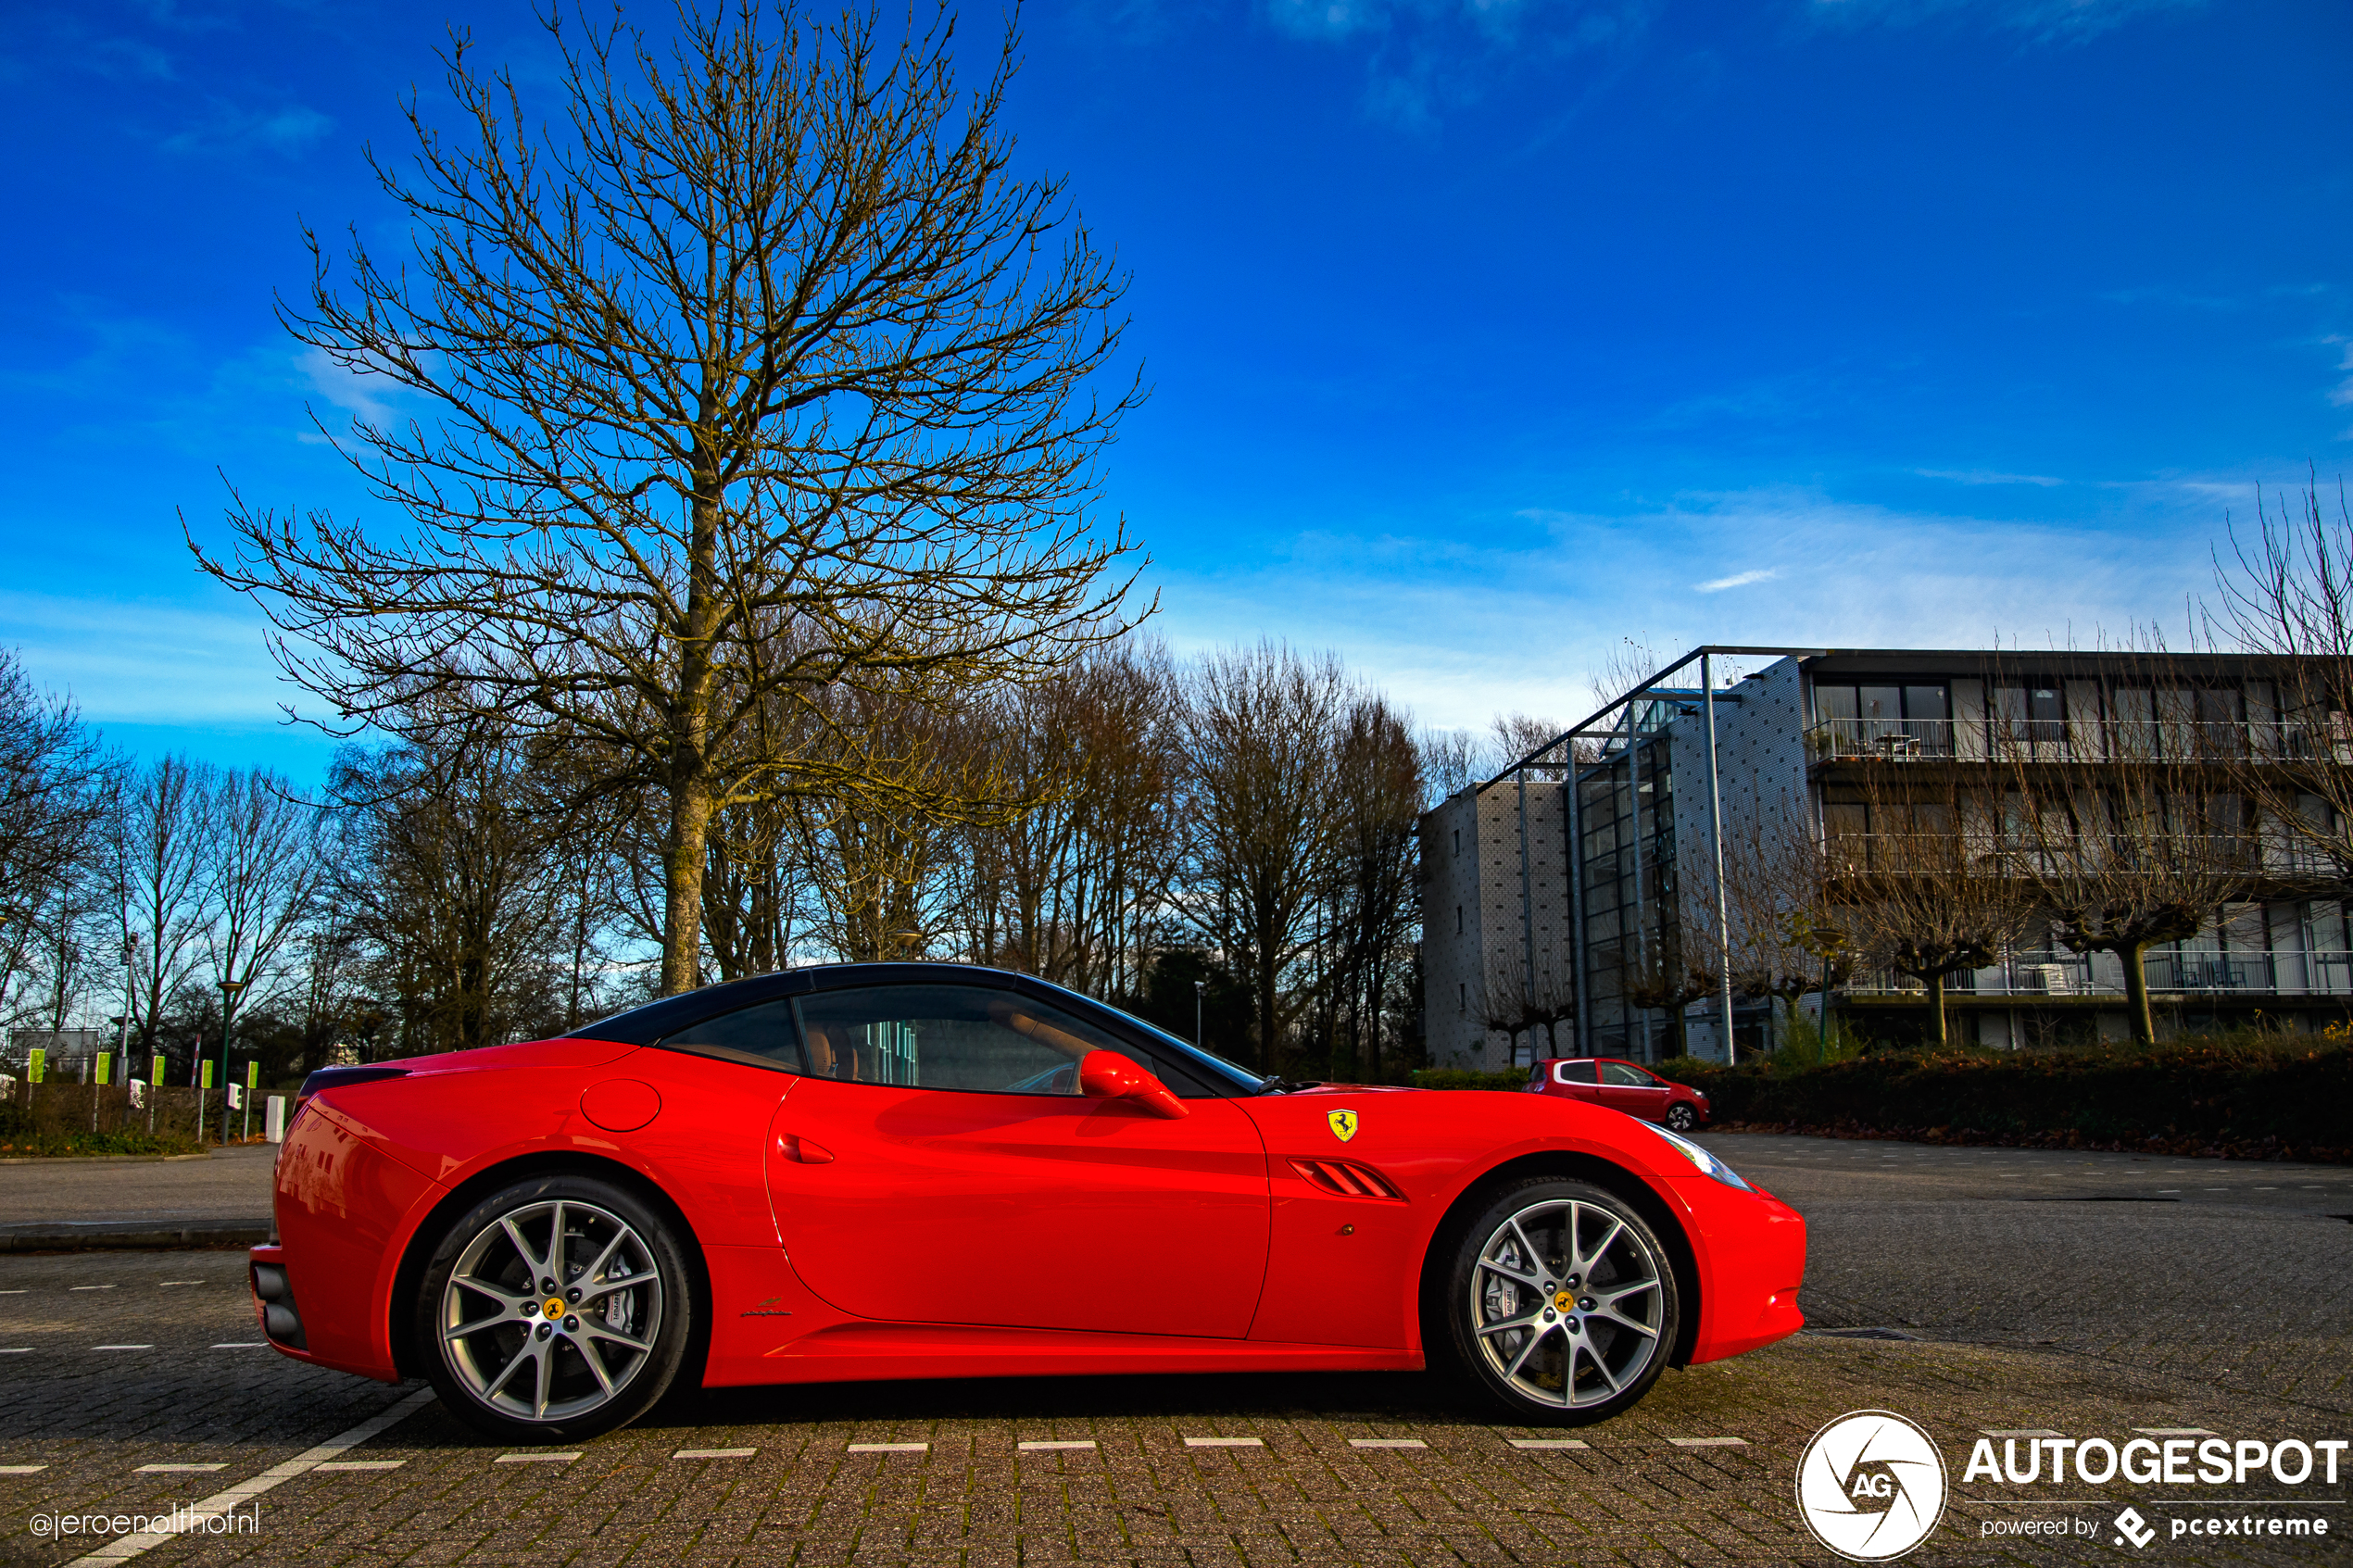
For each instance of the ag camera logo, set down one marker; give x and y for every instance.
(1871, 1485)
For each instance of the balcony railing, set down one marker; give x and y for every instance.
(1921, 854)
(2070, 740)
(2193, 972)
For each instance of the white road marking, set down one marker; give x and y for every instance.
(1709, 1442)
(243, 1345)
(363, 1464)
(22, 1469)
(11, 1292)
(177, 1469)
(2019, 1432)
(122, 1347)
(17, 1350)
(714, 1453)
(2173, 1432)
(889, 1448)
(535, 1458)
(1387, 1443)
(222, 1502)
(1225, 1442)
(170, 1283)
(1041, 1446)
(1549, 1443)
(90, 1287)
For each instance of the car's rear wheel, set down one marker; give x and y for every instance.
(1680, 1117)
(1560, 1304)
(554, 1309)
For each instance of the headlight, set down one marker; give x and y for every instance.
(1709, 1163)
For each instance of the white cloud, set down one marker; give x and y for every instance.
(2045, 19)
(1987, 476)
(1739, 579)
(362, 396)
(134, 661)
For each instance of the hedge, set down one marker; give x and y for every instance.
(2245, 1096)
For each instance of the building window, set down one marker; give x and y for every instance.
(1461, 997)
(1459, 841)
(1875, 717)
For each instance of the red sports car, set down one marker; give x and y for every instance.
(1621, 1085)
(888, 1171)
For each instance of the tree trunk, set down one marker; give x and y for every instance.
(1940, 1036)
(690, 804)
(2136, 992)
(1267, 1002)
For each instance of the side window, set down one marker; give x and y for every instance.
(1622, 1076)
(965, 1037)
(1573, 1073)
(765, 1031)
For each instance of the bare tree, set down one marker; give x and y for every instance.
(761, 346)
(157, 835)
(261, 878)
(1380, 790)
(2133, 829)
(1931, 893)
(1261, 725)
(53, 796)
(2285, 589)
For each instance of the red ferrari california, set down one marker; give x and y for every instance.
(885, 1171)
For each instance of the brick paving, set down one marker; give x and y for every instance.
(2036, 1308)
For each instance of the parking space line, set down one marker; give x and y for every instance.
(535, 1458)
(2015, 1430)
(2173, 1432)
(362, 1464)
(1043, 1445)
(1225, 1442)
(714, 1453)
(22, 1469)
(16, 1350)
(170, 1283)
(1548, 1443)
(1387, 1443)
(1709, 1442)
(177, 1469)
(193, 1516)
(889, 1448)
(122, 1347)
(90, 1287)
(264, 1344)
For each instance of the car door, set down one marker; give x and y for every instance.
(1628, 1088)
(940, 1165)
(1577, 1080)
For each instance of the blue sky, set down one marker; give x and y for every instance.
(1483, 334)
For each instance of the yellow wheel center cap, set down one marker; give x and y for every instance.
(1562, 1303)
(554, 1306)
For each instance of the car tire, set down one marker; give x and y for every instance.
(1557, 1335)
(1680, 1117)
(621, 1282)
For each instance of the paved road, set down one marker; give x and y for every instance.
(232, 1185)
(1994, 1258)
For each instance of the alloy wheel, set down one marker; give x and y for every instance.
(1565, 1303)
(551, 1311)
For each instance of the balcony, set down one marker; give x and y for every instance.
(2248, 855)
(2070, 740)
(2100, 976)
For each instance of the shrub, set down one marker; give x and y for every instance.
(1470, 1078)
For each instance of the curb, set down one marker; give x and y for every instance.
(151, 1235)
(100, 1158)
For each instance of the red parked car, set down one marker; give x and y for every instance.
(890, 1171)
(1621, 1085)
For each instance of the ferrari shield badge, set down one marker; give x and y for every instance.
(1343, 1123)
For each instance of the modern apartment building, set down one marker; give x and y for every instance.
(1560, 897)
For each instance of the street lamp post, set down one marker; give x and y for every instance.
(1199, 986)
(130, 1006)
(229, 990)
(122, 1028)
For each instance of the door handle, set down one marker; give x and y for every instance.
(794, 1147)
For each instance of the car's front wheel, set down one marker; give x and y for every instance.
(554, 1309)
(1680, 1117)
(1560, 1304)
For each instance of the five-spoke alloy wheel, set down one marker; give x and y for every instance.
(1561, 1301)
(555, 1308)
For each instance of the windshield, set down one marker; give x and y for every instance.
(1233, 1073)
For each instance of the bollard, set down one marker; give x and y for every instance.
(274, 1119)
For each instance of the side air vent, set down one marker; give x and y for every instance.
(343, 1077)
(1345, 1178)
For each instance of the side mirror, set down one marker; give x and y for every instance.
(1108, 1075)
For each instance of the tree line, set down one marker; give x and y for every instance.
(1223, 843)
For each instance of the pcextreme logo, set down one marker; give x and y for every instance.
(1871, 1485)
